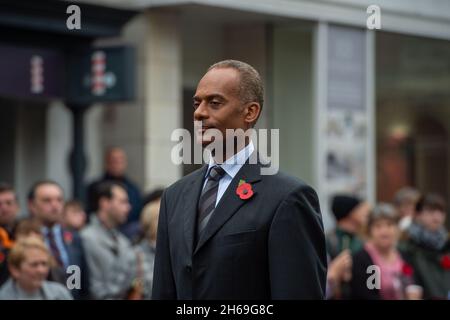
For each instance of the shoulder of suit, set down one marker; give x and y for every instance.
(187, 179)
(130, 183)
(91, 231)
(285, 182)
(285, 187)
(56, 290)
(6, 289)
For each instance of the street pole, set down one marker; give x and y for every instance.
(77, 157)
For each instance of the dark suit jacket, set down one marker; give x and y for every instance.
(75, 251)
(271, 246)
(358, 283)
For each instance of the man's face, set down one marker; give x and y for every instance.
(360, 214)
(431, 219)
(384, 233)
(9, 207)
(33, 269)
(118, 206)
(47, 205)
(116, 163)
(218, 105)
(74, 218)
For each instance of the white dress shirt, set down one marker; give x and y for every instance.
(231, 167)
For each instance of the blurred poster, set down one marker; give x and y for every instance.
(346, 115)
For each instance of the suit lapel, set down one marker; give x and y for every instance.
(69, 251)
(67, 245)
(230, 202)
(190, 199)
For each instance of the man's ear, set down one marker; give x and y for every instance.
(253, 110)
(103, 203)
(15, 273)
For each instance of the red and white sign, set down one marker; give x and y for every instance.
(98, 66)
(37, 74)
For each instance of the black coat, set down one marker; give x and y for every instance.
(358, 284)
(75, 251)
(4, 271)
(271, 246)
(428, 270)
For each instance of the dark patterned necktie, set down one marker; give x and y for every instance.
(207, 201)
(54, 248)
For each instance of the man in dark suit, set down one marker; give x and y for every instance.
(226, 231)
(45, 202)
(116, 164)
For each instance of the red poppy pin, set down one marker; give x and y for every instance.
(2, 257)
(244, 190)
(68, 237)
(407, 270)
(445, 262)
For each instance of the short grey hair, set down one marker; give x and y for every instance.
(251, 88)
(383, 211)
(406, 195)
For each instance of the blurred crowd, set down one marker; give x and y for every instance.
(393, 251)
(101, 249)
(105, 248)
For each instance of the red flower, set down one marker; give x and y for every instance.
(2, 257)
(244, 190)
(407, 270)
(68, 237)
(445, 262)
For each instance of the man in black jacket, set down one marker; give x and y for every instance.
(116, 164)
(228, 232)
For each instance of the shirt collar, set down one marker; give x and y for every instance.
(96, 221)
(55, 229)
(235, 163)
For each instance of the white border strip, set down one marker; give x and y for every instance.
(371, 116)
